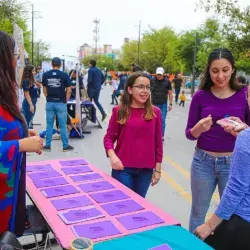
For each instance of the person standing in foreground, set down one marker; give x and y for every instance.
(55, 82)
(15, 141)
(178, 83)
(161, 91)
(95, 81)
(219, 96)
(135, 127)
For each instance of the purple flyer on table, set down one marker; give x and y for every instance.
(73, 163)
(35, 168)
(72, 202)
(80, 215)
(109, 196)
(50, 182)
(86, 177)
(59, 191)
(96, 230)
(161, 247)
(96, 186)
(139, 220)
(122, 207)
(76, 170)
(44, 175)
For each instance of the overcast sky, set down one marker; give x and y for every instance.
(67, 24)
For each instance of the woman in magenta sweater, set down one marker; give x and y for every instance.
(219, 96)
(135, 127)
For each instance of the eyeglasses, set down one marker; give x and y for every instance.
(142, 87)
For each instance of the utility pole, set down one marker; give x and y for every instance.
(96, 33)
(139, 43)
(194, 65)
(32, 43)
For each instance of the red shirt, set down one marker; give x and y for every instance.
(138, 142)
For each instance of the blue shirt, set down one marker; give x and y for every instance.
(95, 78)
(32, 89)
(236, 196)
(56, 83)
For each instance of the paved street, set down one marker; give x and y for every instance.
(172, 194)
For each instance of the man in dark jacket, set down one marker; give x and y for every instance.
(95, 81)
(161, 91)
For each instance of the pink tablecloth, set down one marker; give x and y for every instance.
(63, 232)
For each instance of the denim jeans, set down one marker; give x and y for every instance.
(94, 95)
(60, 110)
(164, 111)
(177, 93)
(137, 179)
(28, 115)
(207, 172)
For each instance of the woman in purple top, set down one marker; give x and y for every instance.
(219, 97)
(135, 127)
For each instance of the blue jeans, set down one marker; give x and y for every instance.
(177, 93)
(207, 172)
(164, 111)
(94, 95)
(137, 179)
(60, 110)
(28, 115)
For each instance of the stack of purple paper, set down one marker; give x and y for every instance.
(86, 177)
(96, 186)
(73, 162)
(96, 230)
(34, 168)
(44, 175)
(80, 215)
(139, 220)
(76, 170)
(59, 191)
(72, 202)
(122, 207)
(109, 196)
(39, 183)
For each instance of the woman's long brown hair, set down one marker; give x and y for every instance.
(8, 86)
(126, 99)
(28, 75)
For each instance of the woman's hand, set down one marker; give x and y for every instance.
(205, 124)
(202, 126)
(203, 231)
(116, 162)
(31, 144)
(32, 108)
(155, 178)
(32, 132)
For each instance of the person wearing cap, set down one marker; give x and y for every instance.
(57, 89)
(161, 91)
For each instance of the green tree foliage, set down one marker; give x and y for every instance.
(12, 11)
(104, 61)
(236, 28)
(41, 52)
